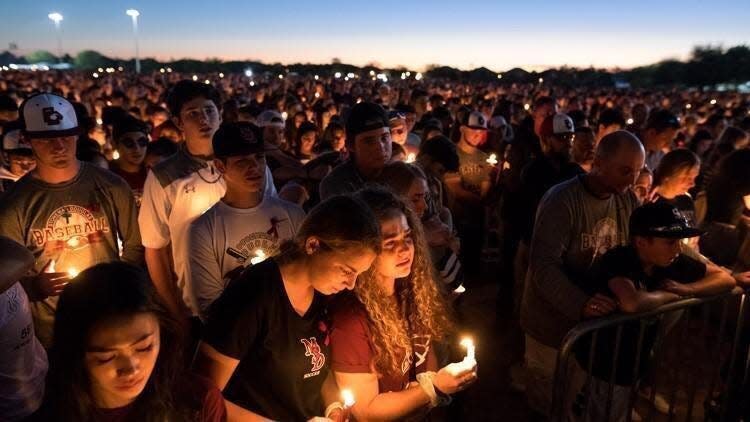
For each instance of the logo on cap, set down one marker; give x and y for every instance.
(51, 116)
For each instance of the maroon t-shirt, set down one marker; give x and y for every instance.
(352, 350)
(135, 180)
(199, 389)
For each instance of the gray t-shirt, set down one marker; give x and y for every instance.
(225, 240)
(572, 229)
(77, 224)
(474, 170)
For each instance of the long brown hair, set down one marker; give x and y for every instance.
(418, 307)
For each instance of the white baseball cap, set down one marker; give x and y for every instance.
(557, 124)
(13, 141)
(48, 116)
(475, 120)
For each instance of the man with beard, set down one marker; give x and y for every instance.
(368, 138)
(552, 167)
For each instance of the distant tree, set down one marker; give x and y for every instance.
(41, 56)
(90, 59)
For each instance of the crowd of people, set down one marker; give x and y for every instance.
(226, 247)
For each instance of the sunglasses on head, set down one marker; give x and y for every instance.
(131, 144)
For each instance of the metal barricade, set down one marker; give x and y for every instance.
(711, 330)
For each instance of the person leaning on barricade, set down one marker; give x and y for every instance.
(649, 272)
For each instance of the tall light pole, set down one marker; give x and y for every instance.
(134, 14)
(56, 18)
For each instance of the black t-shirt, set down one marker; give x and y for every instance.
(623, 261)
(284, 357)
(684, 204)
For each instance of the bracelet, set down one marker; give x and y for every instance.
(437, 397)
(331, 407)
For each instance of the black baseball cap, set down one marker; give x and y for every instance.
(660, 219)
(364, 117)
(238, 138)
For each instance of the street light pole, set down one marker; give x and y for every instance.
(134, 14)
(56, 18)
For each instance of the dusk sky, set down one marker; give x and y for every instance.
(533, 34)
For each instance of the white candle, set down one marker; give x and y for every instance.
(348, 398)
(51, 266)
(260, 256)
(468, 343)
(72, 272)
(492, 160)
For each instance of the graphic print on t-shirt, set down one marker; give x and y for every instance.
(71, 227)
(318, 359)
(257, 245)
(603, 238)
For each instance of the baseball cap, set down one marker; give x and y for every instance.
(270, 118)
(365, 116)
(660, 219)
(394, 116)
(48, 116)
(14, 142)
(475, 120)
(129, 124)
(557, 124)
(237, 138)
(661, 119)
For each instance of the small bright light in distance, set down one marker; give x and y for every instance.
(248, 73)
(132, 13)
(629, 121)
(337, 75)
(55, 17)
(713, 101)
(527, 106)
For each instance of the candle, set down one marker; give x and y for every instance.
(411, 157)
(116, 155)
(51, 266)
(348, 398)
(460, 289)
(260, 256)
(468, 343)
(72, 272)
(492, 160)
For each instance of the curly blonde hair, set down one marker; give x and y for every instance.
(418, 307)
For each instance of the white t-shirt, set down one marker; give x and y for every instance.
(177, 191)
(23, 361)
(224, 240)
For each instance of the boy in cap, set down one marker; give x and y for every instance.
(68, 213)
(647, 273)
(178, 190)
(18, 157)
(245, 226)
(473, 181)
(368, 138)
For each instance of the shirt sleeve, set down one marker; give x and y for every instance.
(350, 346)
(296, 216)
(214, 409)
(203, 267)
(154, 214)
(235, 320)
(552, 232)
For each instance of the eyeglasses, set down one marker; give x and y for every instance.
(131, 144)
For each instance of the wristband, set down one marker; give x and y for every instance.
(331, 407)
(437, 397)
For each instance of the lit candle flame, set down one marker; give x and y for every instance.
(348, 397)
(72, 272)
(116, 155)
(460, 289)
(411, 157)
(492, 160)
(260, 256)
(51, 267)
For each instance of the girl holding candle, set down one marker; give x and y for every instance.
(116, 355)
(383, 333)
(266, 338)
